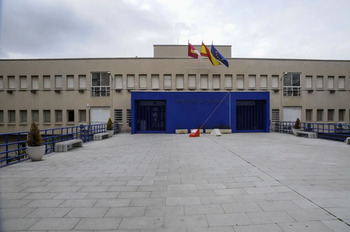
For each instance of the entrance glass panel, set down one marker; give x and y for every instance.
(250, 116)
(150, 116)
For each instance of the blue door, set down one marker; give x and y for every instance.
(150, 116)
(250, 116)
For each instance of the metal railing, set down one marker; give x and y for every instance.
(334, 131)
(13, 145)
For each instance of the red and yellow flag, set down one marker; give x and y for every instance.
(192, 51)
(206, 52)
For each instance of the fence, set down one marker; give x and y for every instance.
(13, 145)
(334, 131)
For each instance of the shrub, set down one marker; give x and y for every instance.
(297, 124)
(34, 137)
(109, 124)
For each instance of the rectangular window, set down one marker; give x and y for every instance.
(179, 81)
(330, 82)
(128, 116)
(274, 80)
(263, 81)
(118, 81)
(319, 115)
(228, 81)
(330, 115)
(47, 116)
(58, 82)
(319, 83)
(23, 116)
(341, 82)
(130, 81)
(70, 81)
(58, 116)
(204, 81)
(275, 115)
(35, 82)
(192, 81)
(70, 116)
(341, 115)
(47, 82)
(155, 81)
(308, 82)
(11, 82)
(118, 115)
(35, 116)
(12, 116)
(252, 81)
(240, 81)
(309, 115)
(216, 82)
(291, 84)
(1, 116)
(100, 86)
(167, 81)
(23, 82)
(1, 82)
(82, 116)
(143, 81)
(82, 82)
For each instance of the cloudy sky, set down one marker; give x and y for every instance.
(312, 29)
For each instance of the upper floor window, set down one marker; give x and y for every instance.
(58, 82)
(252, 81)
(118, 79)
(274, 82)
(240, 81)
(11, 82)
(330, 82)
(319, 83)
(82, 82)
(100, 86)
(47, 82)
(263, 81)
(216, 81)
(155, 81)
(143, 81)
(23, 82)
(70, 81)
(228, 81)
(291, 84)
(309, 82)
(35, 82)
(130, 80)
(179, 81)
(341, 82)
(192, 81)
(167, 81)
(1, 82)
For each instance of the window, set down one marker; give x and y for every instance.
(70, 116)
(228, 81)
(128, 116)
(130, 79)
(330, 82)
(319, 83)
(23, 116)
(240, 81)
(47, 82)
(275, 115)
(179, 81)
(274, 80)
(11, 82)
(143, 81)
(118, 115)
(118, 81)
(82, 82)
(341, 82)
(167, 81)
(308, 82)
(291, 84)
(47, 116)
(309, 115)
(35, 116)
(1, 116)
(155, 81)
(23, 82)
(35, 82)
(263, 81)
(58, 82)
(252, 81)
(100, 86)
(70, 81)
(330, 115)
(216, 82)
(341, 115)
(12, 116)
(1, 82)
(58, 116)
(319, 115)
(82, 116)
(204, 81)
(191, 81)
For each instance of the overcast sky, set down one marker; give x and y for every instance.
(312, 29)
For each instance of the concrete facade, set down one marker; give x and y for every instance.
(61, 92)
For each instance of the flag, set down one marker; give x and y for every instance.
(205, 52)
(192, 51)
(218, 56)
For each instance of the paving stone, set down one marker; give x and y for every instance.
(78, 203)
(87, 213)
(164, 210)
(258, 228)
(141, 223)
(126, 212)
(17, 224)
(243, 207)
(204, 209)
(270, 217)
(55, 224)
(185, 221)
(228, 220)
(305, 226)
(309, 214)
(49, 212)
(15, 212)
(183, 201)
(98, 224)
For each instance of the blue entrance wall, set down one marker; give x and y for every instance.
(189, 110)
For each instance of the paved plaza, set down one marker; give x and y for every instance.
(166, 182)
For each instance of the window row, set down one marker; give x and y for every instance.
(24, 117)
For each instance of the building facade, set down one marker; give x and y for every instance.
(67, 92)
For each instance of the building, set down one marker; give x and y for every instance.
(67, 92)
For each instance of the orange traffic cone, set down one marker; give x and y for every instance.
(195, 133)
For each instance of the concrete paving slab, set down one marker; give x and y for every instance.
(165, 183)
